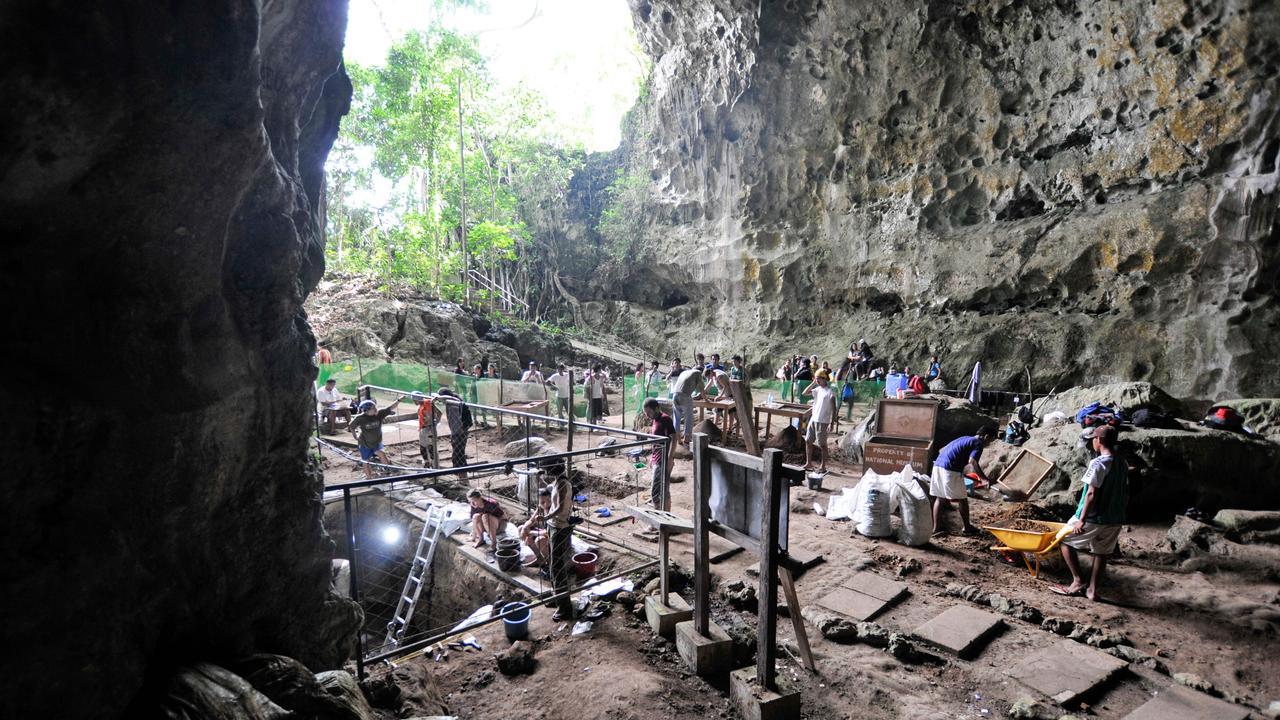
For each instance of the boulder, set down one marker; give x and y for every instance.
(787, 440)
(210, 691)
(1127, 396)
(1242, 521)
(519, 449)
(740, 595)
(516, 660)
(1170, 470)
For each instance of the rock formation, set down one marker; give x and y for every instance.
(161, 196)
(1085, 188)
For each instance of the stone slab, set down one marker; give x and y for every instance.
(1179, 703)
(961, 630)
(756, 703)
(852, 603)
(664, 618)
(1065, 671)
(704, 655)
(880, 588)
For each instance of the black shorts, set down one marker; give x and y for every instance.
(597, 407)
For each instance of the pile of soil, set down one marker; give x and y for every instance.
(1021, 511)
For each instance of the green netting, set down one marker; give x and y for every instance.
(761, 390)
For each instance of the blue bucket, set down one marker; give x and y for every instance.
(517, 625)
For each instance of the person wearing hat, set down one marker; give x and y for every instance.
(332, 406)
(824, 414)
(367, 429)
(533, 374)
(428, 416)
(1101, 512)
(946, 484)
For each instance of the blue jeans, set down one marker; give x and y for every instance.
(682, 414)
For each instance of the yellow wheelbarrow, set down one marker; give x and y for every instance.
(1034, 537)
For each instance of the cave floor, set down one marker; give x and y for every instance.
(1220, 627)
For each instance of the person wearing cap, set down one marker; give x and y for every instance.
(332, 406)
(1100, 514)
(487, 516)
(824, 413)
(534, 531)
(533, 374)
(428, 416)
(946, 484)
(367, 429)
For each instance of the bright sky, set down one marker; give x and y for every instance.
(579, 54)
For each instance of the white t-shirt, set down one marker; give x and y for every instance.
(824, 404)
(531, 376)
(329, 398)
(595, 385)
(561, 383)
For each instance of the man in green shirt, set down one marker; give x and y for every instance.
(1095, 528)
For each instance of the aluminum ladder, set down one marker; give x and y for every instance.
(419, 569)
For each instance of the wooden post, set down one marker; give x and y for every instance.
(767, 647)
(701, 535)
(797, 622)
(664, 557)
(746, 422)
(570, 442)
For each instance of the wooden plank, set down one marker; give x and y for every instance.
(742, 402)
(738, 538)
(701, 536)
(664, 556)
(726, 554)
(733, 457)
(660, 519)
(767, 618)
(797, 622)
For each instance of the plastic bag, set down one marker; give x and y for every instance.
(913, 503)
(873, 505)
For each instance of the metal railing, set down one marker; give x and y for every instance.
(385, 573)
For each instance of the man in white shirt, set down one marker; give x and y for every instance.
(594, 384)
(690, 383)
(560, 381)
(824, 412)
(533, 374)
(724, 391)
(332, 406)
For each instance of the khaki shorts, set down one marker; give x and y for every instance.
(947, 484)
(816, 432)
(1095, 539)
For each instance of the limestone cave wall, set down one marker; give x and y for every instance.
(1086, 188)
(161, 180)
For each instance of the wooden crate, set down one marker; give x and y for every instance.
(903, 434)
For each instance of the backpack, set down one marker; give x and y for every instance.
(846, 394)
(1145, 418)
(916, 385)
(1224, 418)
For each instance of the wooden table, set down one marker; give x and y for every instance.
(704, 404)
(537, 407)
(800, 411)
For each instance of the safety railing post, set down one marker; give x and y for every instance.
(355, 577)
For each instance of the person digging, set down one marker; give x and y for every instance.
(487, 516)
(1095, 527)
(946, 484)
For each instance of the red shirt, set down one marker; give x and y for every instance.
(424, 412)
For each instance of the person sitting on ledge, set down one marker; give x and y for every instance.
(487, 516)
(534, 531)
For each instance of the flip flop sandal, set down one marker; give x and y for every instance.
(1066, 592)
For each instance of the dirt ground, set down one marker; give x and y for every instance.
(1220, 626)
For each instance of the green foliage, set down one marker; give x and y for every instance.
(622, 222)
